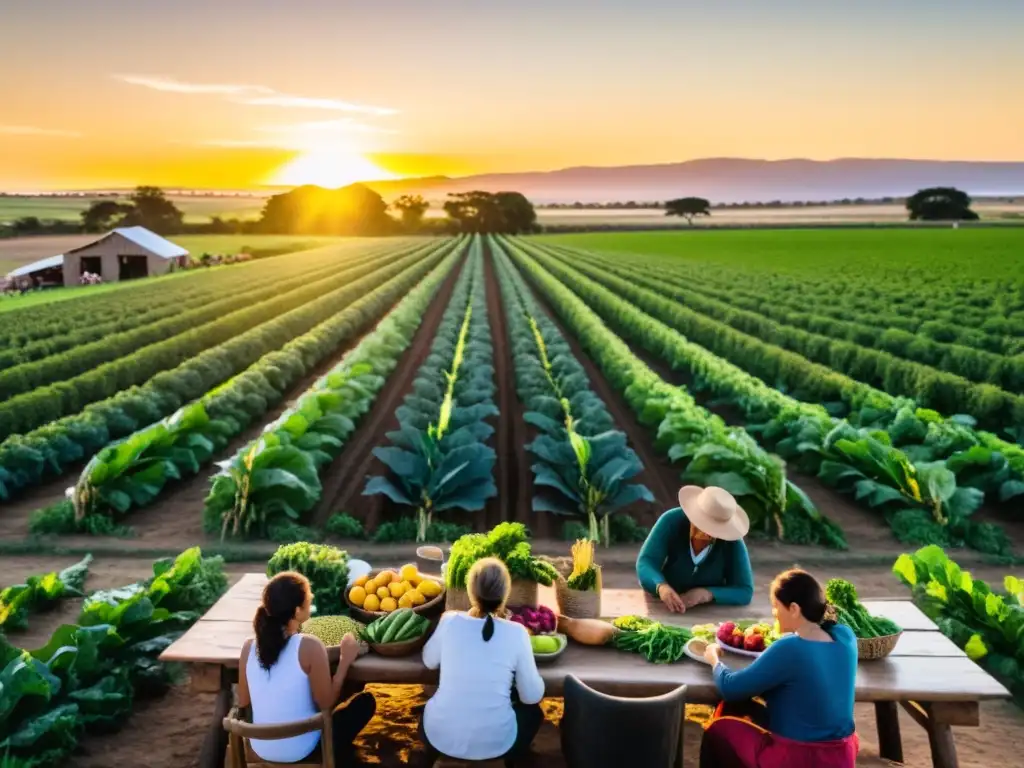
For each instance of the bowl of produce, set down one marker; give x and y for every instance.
(746, 638)
(330, 630)
(538, 621)
(379, 593)
(398, 633)
(548, 647)
(876, 635)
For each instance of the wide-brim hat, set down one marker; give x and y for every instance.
(714, 511)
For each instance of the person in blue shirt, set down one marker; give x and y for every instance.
(805, 678)
(695, 553)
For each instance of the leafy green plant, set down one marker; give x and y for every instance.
(87, 676)
(584, 464)
(276, 478)
(39, 593)
(344, 526)
(438, 458)
(325, 566)
(987, 625)
(406, 529)
(713, 453)
(509, 542)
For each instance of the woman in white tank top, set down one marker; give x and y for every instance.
(285, 676)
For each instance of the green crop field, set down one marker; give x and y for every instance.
(883, 371)
(196, 208)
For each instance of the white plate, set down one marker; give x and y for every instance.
(357, 568)
(694, 654)
(739, 651)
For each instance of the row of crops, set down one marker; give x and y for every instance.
(675, 352)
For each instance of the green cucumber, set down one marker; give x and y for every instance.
(411, 629)
(397, 620)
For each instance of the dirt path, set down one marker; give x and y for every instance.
(511, 475)
(344, 479)
(659, 476)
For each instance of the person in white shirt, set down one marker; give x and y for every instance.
(285, 676)
(474, 715)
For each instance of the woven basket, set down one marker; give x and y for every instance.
(873, 648)
(523, 593)
(576, 603)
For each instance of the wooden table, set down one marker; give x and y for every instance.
(926, 674)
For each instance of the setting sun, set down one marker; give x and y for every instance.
(329, 168)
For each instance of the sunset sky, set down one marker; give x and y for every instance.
(238, 93)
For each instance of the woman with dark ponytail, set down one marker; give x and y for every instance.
(476, 714)
(285, 676)
(806, 679)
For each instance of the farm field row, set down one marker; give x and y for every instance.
(517, 379)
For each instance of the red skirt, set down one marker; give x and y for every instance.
(735, 742)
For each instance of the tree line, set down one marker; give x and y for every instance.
(307, 210)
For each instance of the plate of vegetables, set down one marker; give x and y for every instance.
(548, 647)
(746, 638)
(538, 621)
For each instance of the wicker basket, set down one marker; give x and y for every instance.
(523, 593)
(576, 603)
(873, 648)
(432, 608)
(401, 649)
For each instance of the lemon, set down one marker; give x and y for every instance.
(397, 589)
(416, 597)
(409, 572)
(388, 604)
(385, 577)
(429, 588)
(370, 586)
(357, 595)
(383, 592)
(361, 581)
(372, 603)
(405, 601)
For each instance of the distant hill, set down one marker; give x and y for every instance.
(732, 180)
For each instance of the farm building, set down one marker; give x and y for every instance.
(123, 254)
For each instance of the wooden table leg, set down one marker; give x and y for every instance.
(887, 720)
(215, 744)
(940, 737)
(937, 719)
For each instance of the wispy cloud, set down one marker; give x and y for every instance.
(254, 95)
(306, 102)
(337, 125)
(170, 85)
(31, 130)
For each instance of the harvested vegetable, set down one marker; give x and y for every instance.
(851, 612)
(658, 643)
(400, 626)
(538, 621)
(588, 631)
(584, 573)
(330, 629)
(633, 623)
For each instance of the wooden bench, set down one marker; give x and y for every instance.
(927, 675)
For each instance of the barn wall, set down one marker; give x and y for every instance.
(110, 250)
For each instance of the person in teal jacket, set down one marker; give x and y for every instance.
(695, 553)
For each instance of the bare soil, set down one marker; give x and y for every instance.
(344, 479)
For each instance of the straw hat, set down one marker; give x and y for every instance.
(715, 511)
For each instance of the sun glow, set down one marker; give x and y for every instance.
(329, 168)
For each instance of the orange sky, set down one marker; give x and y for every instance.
(229, 94)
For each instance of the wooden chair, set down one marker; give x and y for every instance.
(240, 731)
(602, 731)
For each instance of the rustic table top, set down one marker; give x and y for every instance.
(925, 666)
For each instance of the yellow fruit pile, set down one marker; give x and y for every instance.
(388, 591)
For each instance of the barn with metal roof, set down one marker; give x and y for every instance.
(123, 254)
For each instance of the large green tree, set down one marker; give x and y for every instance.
(151, 209)
(312, 210)
(498, 213)
(411, 208)
(103, 215)
(688, 207)
(940, 204)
